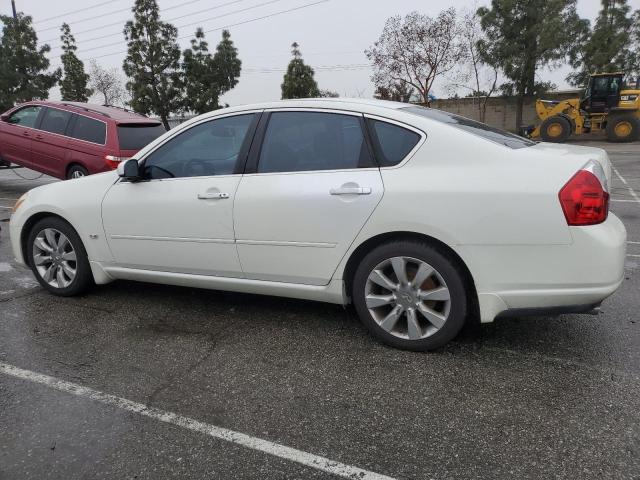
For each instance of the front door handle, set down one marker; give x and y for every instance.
(213, 196)
(26, 134)
(350, 191)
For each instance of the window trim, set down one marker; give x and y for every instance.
(244, 149)
(256, 148)
(374, 139)
(71, 123)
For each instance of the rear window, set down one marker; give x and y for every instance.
(480, 129)
(89, 130)
(136, 136)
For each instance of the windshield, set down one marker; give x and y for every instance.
(134, 136)
(480, 129)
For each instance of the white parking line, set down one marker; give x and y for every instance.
(265, 446)
(6, 208)
(634, 256)
(619, 200)
(631, 191)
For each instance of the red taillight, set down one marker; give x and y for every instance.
(584, 200)
(113, 161)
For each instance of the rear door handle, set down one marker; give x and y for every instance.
(350, 191)
(213, 196)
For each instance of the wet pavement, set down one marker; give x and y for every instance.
(523, 398)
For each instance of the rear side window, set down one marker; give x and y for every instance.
(392, 142)
(89, 130)
(55, 121)
(134, 136)
(305, 141)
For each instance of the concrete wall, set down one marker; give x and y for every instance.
(501, 111)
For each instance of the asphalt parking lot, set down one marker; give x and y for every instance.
(145, 381)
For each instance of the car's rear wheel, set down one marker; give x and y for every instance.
(77, 171)
(57, 257)
(410, 295)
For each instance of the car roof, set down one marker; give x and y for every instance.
(360, 105)
(119, 115)
(341, 103)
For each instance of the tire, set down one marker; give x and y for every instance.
(49, 233)
(555, 129)
(367, 293)
(77, 171)
(623, 127)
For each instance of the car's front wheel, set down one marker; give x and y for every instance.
(58, 258)
(410, 295)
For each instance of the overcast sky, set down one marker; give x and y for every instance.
(332, 34)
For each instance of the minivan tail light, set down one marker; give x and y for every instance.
(585, 198)
(113, 161)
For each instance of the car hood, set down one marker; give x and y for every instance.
(53, 194)
(577, 153)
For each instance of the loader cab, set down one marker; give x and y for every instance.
(602, 93)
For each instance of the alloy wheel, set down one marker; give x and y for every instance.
(55, 258)
(407, 297)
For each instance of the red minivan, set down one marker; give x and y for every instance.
(71, 139)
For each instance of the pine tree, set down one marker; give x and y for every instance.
(73, 86)
(209, 77)
(606, 47)
(298, 81)
(152, 63)
(226, 63)
(23, 66)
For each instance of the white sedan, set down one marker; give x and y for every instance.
(421, 219)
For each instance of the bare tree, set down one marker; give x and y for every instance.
(108, 83)
(478, 78)
(416, 50)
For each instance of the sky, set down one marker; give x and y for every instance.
(332, 34)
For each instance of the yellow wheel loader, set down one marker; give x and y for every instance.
(606, 106)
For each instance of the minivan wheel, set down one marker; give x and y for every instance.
(57, 257)
(77, 171)
(410, 295)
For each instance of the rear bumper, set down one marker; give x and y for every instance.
(560, 278)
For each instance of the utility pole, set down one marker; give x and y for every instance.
(13, 6)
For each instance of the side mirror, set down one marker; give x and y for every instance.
(4, 117)
(129, 170)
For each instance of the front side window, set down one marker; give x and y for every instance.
(305, 141)
(25, 117)
(55, 121)
(206, 149)
(89, 130)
